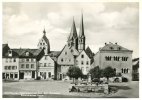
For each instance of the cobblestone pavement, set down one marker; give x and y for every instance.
(61, 88)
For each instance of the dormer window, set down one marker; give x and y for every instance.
(27, 53)
(10, 53)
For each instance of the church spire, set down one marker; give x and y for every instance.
(44, 32)
(81, 39)
(73, 33)
(81, 32)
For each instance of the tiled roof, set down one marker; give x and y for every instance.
(54, 55)
(4, 45)
(113, 47)
(21, 51)
(90, 54)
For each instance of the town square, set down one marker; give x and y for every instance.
(66, 50)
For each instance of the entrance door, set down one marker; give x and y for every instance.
(49, 74)
(21, 76)
(60, 76)
(33, 74)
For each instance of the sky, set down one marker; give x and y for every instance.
(23, 24)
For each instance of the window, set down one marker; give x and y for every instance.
(62, 60)
(43, 43)
(45, 57)
(111, 48)
(6, 60)
(114, 70)
(13, 67)
(69, 60)
(40, 64)
(9, 67)
(10, 59)
(119, 48)
(124, 58)
(22, 65)
(27, 60)
(87, 62)
(125, 70)
(10, 53)
(27, 65)
(122, 70)
(32, 60)
(5, 67)
(27, 53)
(108, 58)
(65, 53)
(32, 65)
(40, 43)
(81, 62)
(45, 65)
(16, 76)
(71, 50)
(14, 60)
(82, 56)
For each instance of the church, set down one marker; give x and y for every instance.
(75, 53)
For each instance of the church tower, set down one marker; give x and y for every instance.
(44, 43)
(73, 38)
(81, 38)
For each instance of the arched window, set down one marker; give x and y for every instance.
(122, 70)
(127, 70)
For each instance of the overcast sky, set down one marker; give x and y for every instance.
(23, 24)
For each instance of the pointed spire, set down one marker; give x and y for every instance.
(44, 31)
(81, 32)
(73, 33)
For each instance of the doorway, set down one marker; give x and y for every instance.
(21, 76)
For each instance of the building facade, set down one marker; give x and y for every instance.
(21, 63)
(117, 57)
(47, 65)
(10, 63)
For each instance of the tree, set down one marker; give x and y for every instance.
(74, 72)
(108, 72)
(95, 72)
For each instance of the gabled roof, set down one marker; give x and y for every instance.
(113, 47)
(85, 53)
(90, 54)
(54, 55)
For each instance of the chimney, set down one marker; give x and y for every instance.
(116, 43)
(105, 43)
